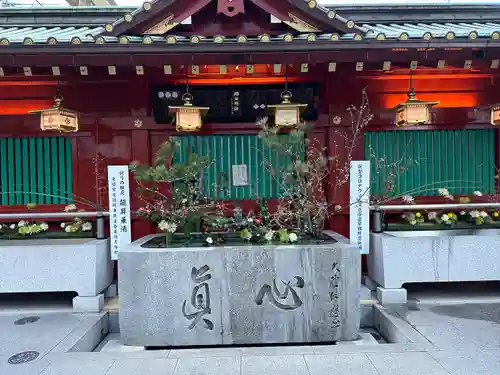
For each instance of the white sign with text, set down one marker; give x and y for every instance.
(240, 175)
(119, 208)
(359, 200)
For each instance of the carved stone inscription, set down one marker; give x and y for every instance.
(200, 298)
(274, 294)
(334, 294)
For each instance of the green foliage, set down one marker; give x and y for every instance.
(165, 171)
(303, 202)
(181, 203)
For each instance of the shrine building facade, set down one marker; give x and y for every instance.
(121, 68)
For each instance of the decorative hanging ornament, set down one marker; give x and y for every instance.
(287, 113)
(188, 118)
(58, 118)
(412, 111)
(230, 8)
(495, 114)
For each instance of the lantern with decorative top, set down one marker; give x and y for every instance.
(413, 111)
(58, 118)
(188, 118)
(287, 113)
(495, 114)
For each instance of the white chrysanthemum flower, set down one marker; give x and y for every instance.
(70, 207)
(44, 226)
(12, 226)
(22, 223)
(293, 237)
(269, 235)
(67, 229)
(474, 214)
(413, 222)
(209, 240)
(408, 199)
(163, 225)
(478, 193)
(463, 213)
(86, 227)
(63, 225)
(171, 227)
(445, 218)
(443, 192)
(483, 214)
(432, 215)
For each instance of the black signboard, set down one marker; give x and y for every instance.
(234, 103)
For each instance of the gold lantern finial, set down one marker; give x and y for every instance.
(188, 118)
(287, 113)
(58, 118)
(413, 111)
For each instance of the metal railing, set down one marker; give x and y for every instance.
(378, 209)
(99, 215)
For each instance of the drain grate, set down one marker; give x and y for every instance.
(23, 357)
(26, 320)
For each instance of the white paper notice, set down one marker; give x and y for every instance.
(359, 213)
(240, 176)
(119, 208)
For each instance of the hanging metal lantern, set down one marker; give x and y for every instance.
(188, 118)
(413, 111)
(287, 113)
(58, 118)
(495, 115)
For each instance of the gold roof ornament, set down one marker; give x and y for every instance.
(413, 111)
(57, 118)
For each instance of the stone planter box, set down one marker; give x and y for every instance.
(432, 256)
(83, 266)
(226, 295)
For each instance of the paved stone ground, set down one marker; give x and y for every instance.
(466, 341)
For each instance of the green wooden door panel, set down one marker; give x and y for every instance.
(424, 160)
(35, 170)
(224, 151)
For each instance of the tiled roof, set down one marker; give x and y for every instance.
(49, 35)
(378, 32)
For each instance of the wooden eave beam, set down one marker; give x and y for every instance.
(9, 51)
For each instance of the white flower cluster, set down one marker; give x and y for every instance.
(74, 227)
(445, 193)
(475, 214)
(28, 228)
(167, 226)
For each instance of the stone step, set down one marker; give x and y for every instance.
(114, 345)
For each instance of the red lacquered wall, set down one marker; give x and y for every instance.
(116, 122)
